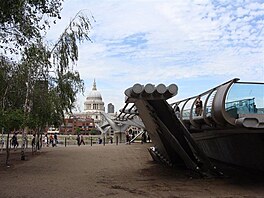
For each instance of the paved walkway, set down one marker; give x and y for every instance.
(111, 171)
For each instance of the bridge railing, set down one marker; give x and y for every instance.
(246, 98)
(220, 105)
(236, 99)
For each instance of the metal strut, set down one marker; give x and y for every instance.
(173, 142)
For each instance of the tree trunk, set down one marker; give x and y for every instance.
(26, 112)
(7, 149)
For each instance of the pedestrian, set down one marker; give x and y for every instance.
(148, 138)
(198, 106)
(143, 138)
(51, 139)
(56, 138)
(33, 141)
(78, 140)
(127, 138)
(82, 140)
(177, 110)
(14, 141)
(46, 141)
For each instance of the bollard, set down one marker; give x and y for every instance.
(104, 141)
(91, 141)
(65, 141)
(116, 140)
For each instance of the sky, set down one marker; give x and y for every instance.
(195, 44)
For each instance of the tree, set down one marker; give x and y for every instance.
(22, 21)
(11, 120)
(43, 71)
(66, 83)
(39, 62)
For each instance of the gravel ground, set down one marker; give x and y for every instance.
(114, 171)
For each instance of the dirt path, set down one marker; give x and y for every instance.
(113, 171)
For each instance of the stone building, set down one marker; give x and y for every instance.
(94, 105)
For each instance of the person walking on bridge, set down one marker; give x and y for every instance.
(198, 106)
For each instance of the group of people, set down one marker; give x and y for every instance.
(144, 137)
(50, 140)
(80, 140)
(15, 144)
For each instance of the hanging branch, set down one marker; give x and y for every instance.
(65, 51)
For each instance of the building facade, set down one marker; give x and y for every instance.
(84, 122)
(94, 105)
(75, 124)
(110, 108)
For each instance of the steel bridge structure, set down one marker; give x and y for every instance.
(230, 127)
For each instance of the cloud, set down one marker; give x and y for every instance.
(168, 41)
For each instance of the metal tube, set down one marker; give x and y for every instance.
(160, 89)
(137, 89)
(128, 92)
(171, 90)
(148, 90)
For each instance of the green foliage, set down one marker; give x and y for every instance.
(93, 132)
(78, 130)
(68, 85)
(11, 119)
(43, 84)
(65, 52)
(22, 21)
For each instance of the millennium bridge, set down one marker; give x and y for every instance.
(227, 125)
